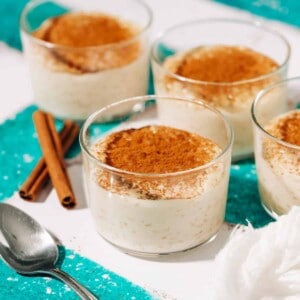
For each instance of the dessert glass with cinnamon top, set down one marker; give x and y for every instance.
(85, 56)
(155, 186)
(277, 145)
(224, 62)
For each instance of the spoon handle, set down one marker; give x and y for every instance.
(81, 291)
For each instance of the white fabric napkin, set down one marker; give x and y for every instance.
(261, 264)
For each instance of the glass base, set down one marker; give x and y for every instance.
(155, 255)
(265, 194)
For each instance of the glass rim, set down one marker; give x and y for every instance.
(107, 167)
(34, 3)
(258, 98)
(254, 24)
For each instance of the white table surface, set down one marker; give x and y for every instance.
(185, 276)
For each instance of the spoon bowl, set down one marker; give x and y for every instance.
(29, 249)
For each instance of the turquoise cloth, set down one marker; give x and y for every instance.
(9, 21)
(287, 11)
(101, 282)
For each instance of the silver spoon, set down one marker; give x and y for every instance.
(29, 249)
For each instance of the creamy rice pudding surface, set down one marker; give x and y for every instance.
(144, 209)
(278, 165)
(223, 76)
(91, 60)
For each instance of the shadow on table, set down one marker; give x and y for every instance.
(207, 251)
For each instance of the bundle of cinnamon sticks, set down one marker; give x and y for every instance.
(52, 165)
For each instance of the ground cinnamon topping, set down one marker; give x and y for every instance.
(81, 30)
(280, 157)
(288, 128)
(225, 64)
(157, 149)
(85, 30)
(219, 64)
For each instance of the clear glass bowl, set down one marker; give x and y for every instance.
(233, 99)
(277, 161)
(152, 214)
(74, 81)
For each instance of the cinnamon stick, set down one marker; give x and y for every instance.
(55, 137)
(40, 175)
(49, 140)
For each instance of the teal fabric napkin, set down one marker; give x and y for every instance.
(9, 21)
(287, 11)
(103, 283)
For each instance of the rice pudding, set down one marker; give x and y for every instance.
(151, 195)
(82, 61)
(278, 164)
(225, 77)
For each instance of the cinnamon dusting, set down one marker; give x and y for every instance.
(155, 150)
(224, 64)
(219, 64)
(84, 30)
(287, 129)
(78, 31)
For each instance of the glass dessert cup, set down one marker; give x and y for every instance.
(72, 76)
(151, 214)
(277, 145)
(234, 93)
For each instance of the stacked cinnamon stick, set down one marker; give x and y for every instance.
(54, 145)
